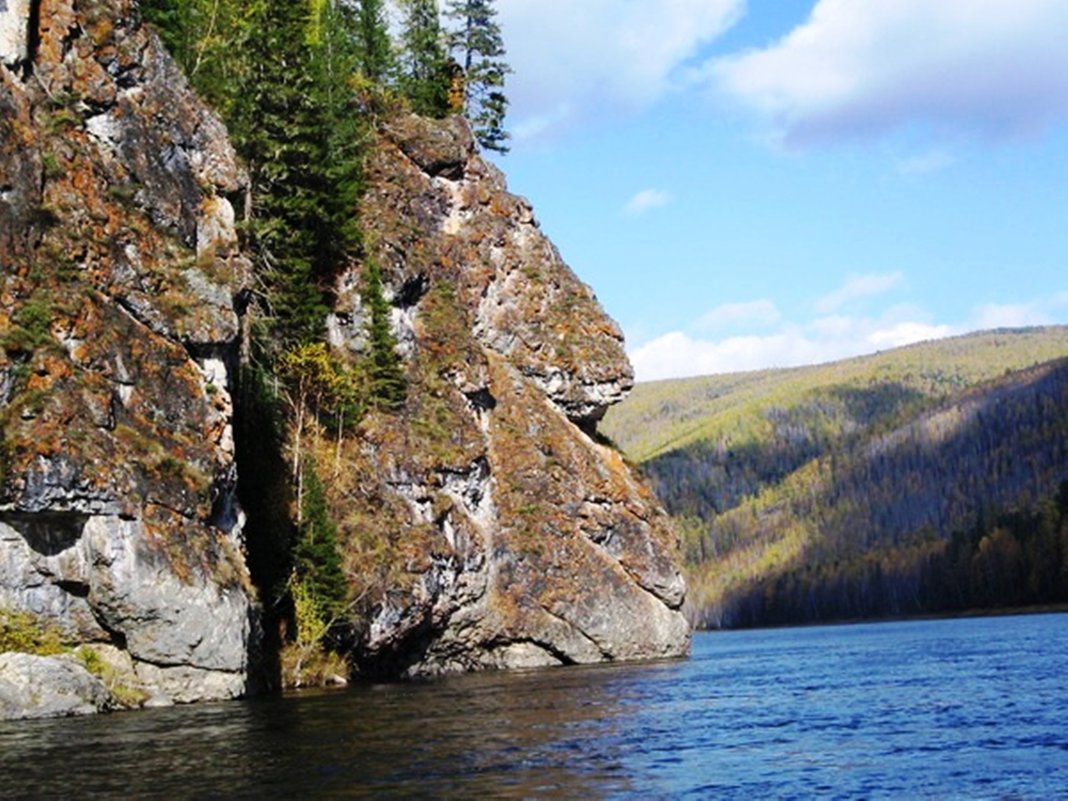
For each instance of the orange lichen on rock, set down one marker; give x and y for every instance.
(116, 477)
(497, 531)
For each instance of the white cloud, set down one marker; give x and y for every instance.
(862, 67)
(905, 333)
(827, 338)
(858, 286)
(1047, 310)
(645, 200)
(756, 313)
(583, 58)
(834, 326)
(677, 354)
(1010, 315)
(535, 125)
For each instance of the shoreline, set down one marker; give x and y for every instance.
(1039, 609)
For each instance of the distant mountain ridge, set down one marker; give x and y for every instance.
(840, 490)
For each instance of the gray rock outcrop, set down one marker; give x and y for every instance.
(118, 333)
(47, 687)
(485, 524)
(14, 31)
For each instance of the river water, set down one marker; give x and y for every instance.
(969, 708)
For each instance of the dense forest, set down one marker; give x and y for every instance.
(1016, 559)
(924, 480)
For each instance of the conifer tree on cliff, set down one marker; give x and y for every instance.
(205, 37)
(288, 122)
(427, 77)
(173, 20)
(316, 556)
(371, 31)
(477, 43)
(276, 127)
(388, 384)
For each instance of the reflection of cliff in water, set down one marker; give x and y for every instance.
(521, 734)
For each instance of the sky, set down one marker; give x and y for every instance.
(781, 182)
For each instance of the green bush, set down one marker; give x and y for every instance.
(29, 634)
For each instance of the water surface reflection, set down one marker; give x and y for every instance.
(924, 709)
(522, 734)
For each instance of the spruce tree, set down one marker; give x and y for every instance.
(291, 124)
(427, 75)
(477, 44)
(206, 38)
(337, 60)
(374, 47)
(317, 562)
(388, 386)
(173, 21)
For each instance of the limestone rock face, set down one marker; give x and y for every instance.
(485, 524)
(47, 687)
(118, 328)
(14, 31)
(528, 306)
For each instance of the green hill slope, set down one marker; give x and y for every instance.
(865, 487)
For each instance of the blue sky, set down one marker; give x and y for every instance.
(782, 182)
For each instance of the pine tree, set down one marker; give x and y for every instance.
(427, 76)
(317, 562)
(376, 58)
(478, 45)
(388, 386)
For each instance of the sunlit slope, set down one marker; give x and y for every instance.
(661, 416)
(843, 490)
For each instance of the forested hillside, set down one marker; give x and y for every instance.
(925, 479)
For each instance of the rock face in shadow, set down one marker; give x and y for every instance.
(485, 524)
(118, 330)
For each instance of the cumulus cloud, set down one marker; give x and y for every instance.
(696, 350)
(1040, 311)
(580, 59)
(863, 67)
(925, 163)
(858, 286)
(823, 339)
(677, 354)
(645, 200)
(905, 333)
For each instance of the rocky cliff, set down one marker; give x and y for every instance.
(118, 321)
(483, 523)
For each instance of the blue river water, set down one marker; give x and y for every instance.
(966, 708)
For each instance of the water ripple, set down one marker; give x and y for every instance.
(934, 709)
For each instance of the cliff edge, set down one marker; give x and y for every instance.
(486, 525)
